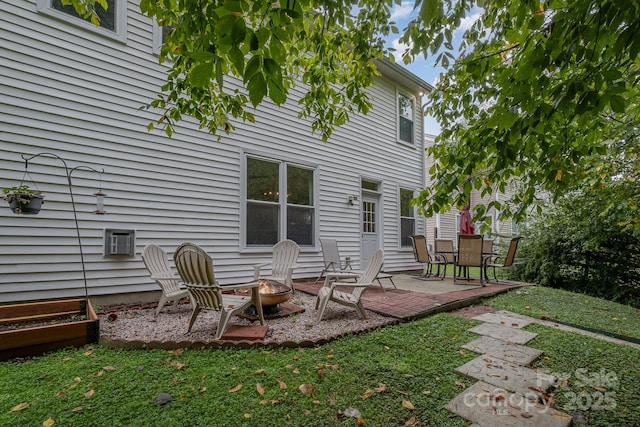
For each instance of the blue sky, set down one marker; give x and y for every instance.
(421, 67)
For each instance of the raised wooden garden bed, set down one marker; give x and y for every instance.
(32, 329)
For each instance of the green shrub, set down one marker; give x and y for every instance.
(573, 246)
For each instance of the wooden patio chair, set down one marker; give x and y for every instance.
(422, 256)
(330, 291)
(507, 259)
(157, 262)
(469, 254)
(195, 267)
(285, 258)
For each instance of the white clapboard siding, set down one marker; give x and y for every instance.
(69, 91)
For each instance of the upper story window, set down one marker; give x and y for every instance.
(279, 202)
(112, 21)
(406, 114)
(407, 217)
(160, 33)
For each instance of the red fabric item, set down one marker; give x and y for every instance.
(466, 226)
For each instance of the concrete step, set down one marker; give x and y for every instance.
(508, 376)
(486, 405)
(504, 350)
(505, 333)
(505, 318)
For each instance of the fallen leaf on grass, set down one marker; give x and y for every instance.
(177, 364)
(88, 351)
(411, 422)
(460, 384)
(235, 388)
(260, 389)
(381, 387)
(48, 422)
(61, 393)
(110, 368)
(77, 409)
(259, 371)
(283, 385)
(306, 388)
(407, 404)
(89, 394)
(360, 422)
(367, 393)
(77, 380)
(20, 407)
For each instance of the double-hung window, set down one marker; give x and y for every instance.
(406, 113)
(280, 202)
(111, 22)
(407, 217)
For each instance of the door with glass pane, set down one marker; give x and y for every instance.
(369, 228)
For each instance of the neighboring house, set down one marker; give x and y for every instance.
(447, 225)
(75, 90)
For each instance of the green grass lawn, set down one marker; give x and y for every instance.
(391, 376)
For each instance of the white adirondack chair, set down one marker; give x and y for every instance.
(285, 257)
(157, 262)
(330, 291)
(195, 267)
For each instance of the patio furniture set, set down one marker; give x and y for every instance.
(196, 280)
(472, 251)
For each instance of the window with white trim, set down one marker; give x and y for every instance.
(112, 21)
(406, 115)
(279, 202)
(160, 33)
(407, 217)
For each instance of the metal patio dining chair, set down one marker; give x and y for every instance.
(469, 255)
(507, 260)
(422, 256)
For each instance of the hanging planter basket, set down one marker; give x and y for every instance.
(26, 204)
(23, 199)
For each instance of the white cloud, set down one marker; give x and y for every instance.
(468, 21)
(400, 48)
(402, 11)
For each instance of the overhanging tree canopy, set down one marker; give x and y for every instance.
(542, 95)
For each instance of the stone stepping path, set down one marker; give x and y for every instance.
(505, 333)
(507, 393)
(508, 376)
(485, 405)
(505, 318)
(504, 350)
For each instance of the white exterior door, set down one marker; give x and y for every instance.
(370, 225)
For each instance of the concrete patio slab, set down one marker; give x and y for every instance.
(486, 405)
(504, 350)
(505, 333)
(508, 376)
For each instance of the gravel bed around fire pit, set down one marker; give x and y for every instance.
(138, 325)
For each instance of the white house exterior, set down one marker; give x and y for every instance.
(74, 90)
(447, 225)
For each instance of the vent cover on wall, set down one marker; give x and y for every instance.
(119, 242)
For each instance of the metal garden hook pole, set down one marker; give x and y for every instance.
(68, 173)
